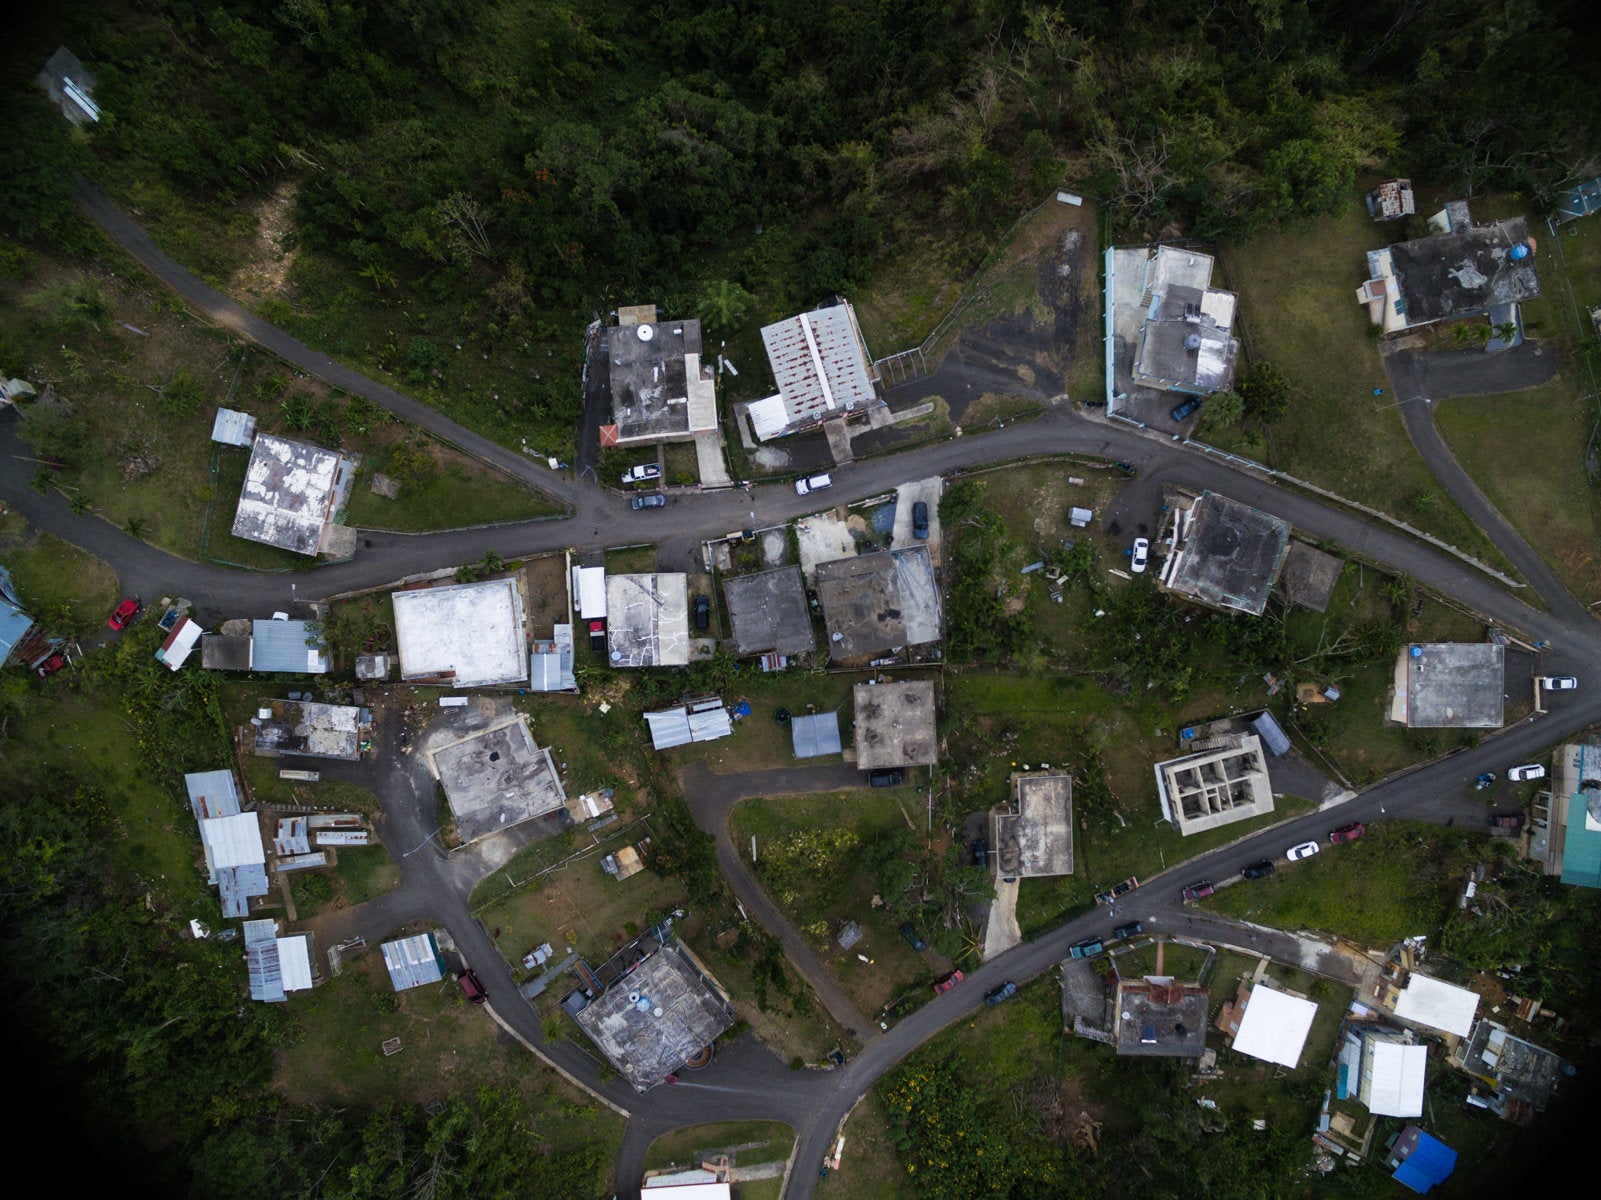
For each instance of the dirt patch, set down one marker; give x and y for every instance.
(265, 273)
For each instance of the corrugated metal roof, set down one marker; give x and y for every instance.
(233, 841)
(233, 428)
(1398, 1072)
(767, 417)
(285, 646)
(14, 622)
(710, 724)
(237, 884)
(180, 642)
(413, 961)
(212, 794)
(550, 666)
(294, 962)
(292, 837)
(815, 734)
(703, 722)
(820, 364)
(262, 961)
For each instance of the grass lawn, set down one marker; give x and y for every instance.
(1399, 880)
(871, 1165)
(67, 589)
(1297, 288)
(1526, 451)
(454, 495)
(746, 1142)
(821, 902)
(758, 741)
(448, 1047)
(636, 560)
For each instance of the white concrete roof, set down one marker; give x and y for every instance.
(287, 494)
(233, 841)
(473, 629)
(1274, 1026)
(1438, 1005)
(1398, 1075)
(689, 1191)
(647, 620)
(294, 962)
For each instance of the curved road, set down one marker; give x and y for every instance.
(747, 1081)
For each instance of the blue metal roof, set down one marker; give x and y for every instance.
(212, 794)
(413, 961)
(237, 884)
(1430, 1162)
(283, 646)
(14, 623)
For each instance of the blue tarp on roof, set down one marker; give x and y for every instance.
(283, 646)
(1430, 1162)
(14, 623)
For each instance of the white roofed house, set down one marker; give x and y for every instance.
(823, 370)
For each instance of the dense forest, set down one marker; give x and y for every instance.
(504, 169)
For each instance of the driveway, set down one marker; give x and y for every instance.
(1441, 374)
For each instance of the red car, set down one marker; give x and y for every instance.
(1348, 833)
(126, 612)
(51, 665)
(946, 982)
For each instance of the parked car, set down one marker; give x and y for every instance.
(1526, 771)
(1140, 555)
(126, 612)
(948, 980)
(981, 853)
(1347, 833)
(50, 665)
(920, 520)
(1559, 683)
(1088, 948)
(1258, 870)
(1132, 929)
(1117, 889)
(909, 932)
(888, 777)
(642, 472)
(1185, 409)
(703, 613)
(1199, 890)
(813, 483)
(597, 635)
(653, 500)
(1304, 850)
(1502, 820)
(998, 995)
(470, 987)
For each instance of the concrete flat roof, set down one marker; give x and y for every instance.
(1035, 837)
(288, 494)
(471, 633)
(895, 725)
(314, 730)
(653, 379)
(875, 603)
(1158, 1018)
(1464, 272)
(1437, 1004)
(1451, 685)
(650, 1023)
(769, 612)
(647, 620)
(497, 777)
(1274, 1026)
(1226, 554)
(1186, 342)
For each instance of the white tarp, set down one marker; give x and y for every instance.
(1274, 1026)
(1442, 1006)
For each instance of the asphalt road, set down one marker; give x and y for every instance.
(746, 1081)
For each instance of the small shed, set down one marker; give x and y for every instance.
(234, 428)
(815, 735)
(849, 935)
(413, 961)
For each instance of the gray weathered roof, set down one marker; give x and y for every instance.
(1229, 555)
(878, 602)
(895, 725)
(293, 647)
(815, 734)
(413, 961)
(288, 494)
(769, 612)
(1464, 272)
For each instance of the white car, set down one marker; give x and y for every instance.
(1526, 771)
(1558, 683)
(1140, 556)
(813, 483)
(1304, 850)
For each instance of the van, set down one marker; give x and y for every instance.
(470, 987)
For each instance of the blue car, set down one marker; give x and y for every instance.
(1185, 409)
(1001, 994)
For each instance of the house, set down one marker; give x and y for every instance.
(1186, 341)
(462, 634)
(70, 86)
(875, 604)
(823, 371)
(278, 645)
(651, 1010)
(815, 735)
(895, 725)
(1573, 838)
(310, 729)
(15, 623)
(181, 639)
(1435, 1004)
(1463, 270)
(236, 860)
(1449, 685)
(770, 613)
(1272, 1025)
(277, 965)
(647, 620)
(292, 496)
(1159, 1017)
(1391, 200)
(1420, 1161)
(1222, 553)
(496, 777)
(1522, 1076)
(1388, 1067)
(1033, 838)
(649, 376)
(1222, 780)
(701, 720)
(413, 961)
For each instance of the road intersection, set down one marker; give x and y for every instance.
(746, 1081)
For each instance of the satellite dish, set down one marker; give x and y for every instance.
(646, 332)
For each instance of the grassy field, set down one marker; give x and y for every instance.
(451, 494)
(1297, 288)
(746, 1142)
(871, 1165)
(67, 589)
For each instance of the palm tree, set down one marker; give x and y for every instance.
(136, 527)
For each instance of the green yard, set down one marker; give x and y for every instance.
(746, 1142)
(68, 590)
(451, 495)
